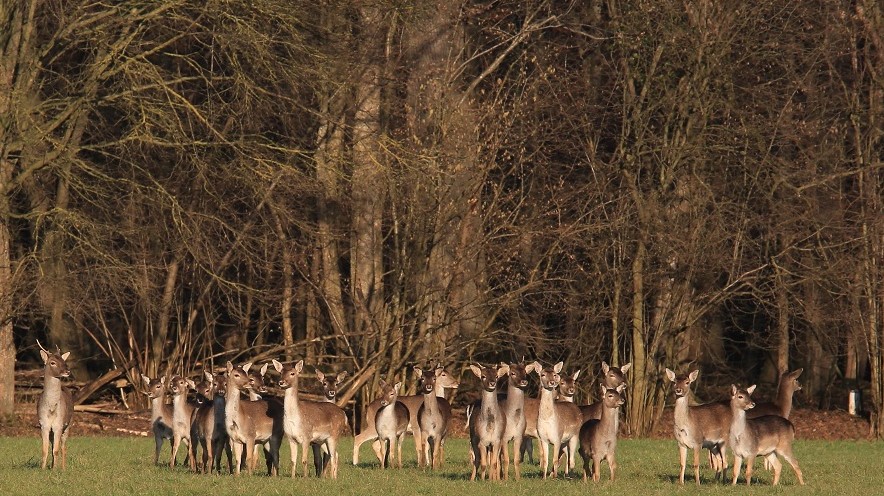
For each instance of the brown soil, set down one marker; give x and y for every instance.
(809, 424)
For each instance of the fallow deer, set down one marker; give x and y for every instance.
(55, 408)
(768, 436)
(161, 413)
(433, 417)
(309, 422)
(782, 406)
(329, 385)
(513, 408)
(250, 422)
(613, 377)
(558, 422)
(182, 412)
(598, 437)
(698, 427)
(207, 428)
(487, 423)
(390, 422)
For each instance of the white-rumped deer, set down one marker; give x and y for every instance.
(699, 426)
(487, 423)
(513, 408)
(55, 408)
(432, 418)
(251, 422)
(413, 403)
(182, 412)
(598, 437)
(768, 436)
(558, 422)
(309, 422)
(160, 413)
(390, 422)
(207, 429)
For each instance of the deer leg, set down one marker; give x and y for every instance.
(437, 449)
(304, 447)
(586, 458)
(750, 467)
(418, 445)
(773, 462)
(555, 460)
(683, 459)
(596, 468)
(158, 440)
(474, 458)
(517, 457)
(790, 458)
(331, 445)
(697, 464)
(368, 434)
(293, 452)
(237, 455)
(176, 443)
(544, 457)
(483, 461)
(400, 442)
(738, 462)
(612, 464)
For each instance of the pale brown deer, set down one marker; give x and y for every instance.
(513, 408)
(487, 423)
(598, 437)
(767, 436)
(251, 422)
(558, 422)
(182, 413)
(55, 408)
(161, 413)
(433, 418)
(390, 422)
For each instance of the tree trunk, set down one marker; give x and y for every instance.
(7, 345)
(635, 410)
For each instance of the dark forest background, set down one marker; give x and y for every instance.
(373, 184)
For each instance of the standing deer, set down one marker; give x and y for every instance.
(161, 413)
(182, 412)
(487, 423)
(698, 427)
(390, 422)
(432, 418)
(413, 403)
(329, 385)
(558, 422)
(598, 437)
(768, 436)
(207, 428)
(782, 406)
(250, 422)
(513, 408)
(55, 407)
(308, 422)
(613, 378)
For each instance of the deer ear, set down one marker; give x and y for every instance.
(733, 390)
(796, 373)
(625, 368)
(605, 367)
(750, 389)
(190, 384)
(604, 388)
(276, 365)
(621, 387)
(574, 376)
(397, 386)
(320, 375)
(229, 367)
(65, 356)
(476, 370)
(209, 376)
(264, 368)
(299, 367)
(537, 367)
(438, 371)
(382, 383)
(418, 372)
(163, 380)
(503, 370)
(558, 367)
(693, 375)
(670, 375)
(246, 366)
(44, 356)
(146, 379)
(342, 375)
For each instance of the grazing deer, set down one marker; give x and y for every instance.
(613, 378)
(413, 403)
(55, 407)
(309, 422)
(598, 437)
(182, 412)
(207, 429)
(391, 422)
(487, 423)
(768, 436)
(513, 408)
(161, 413)
(558, 422)
(250, 422)
(698, 427)
(432, 418)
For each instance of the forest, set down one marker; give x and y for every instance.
(371, 185)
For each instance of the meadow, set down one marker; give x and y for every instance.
(106, 465)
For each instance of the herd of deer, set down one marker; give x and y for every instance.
(223, 421)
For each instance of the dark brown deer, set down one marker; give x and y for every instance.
(207, 428)
(55, 408)
(598, 437)
(698, 427)
(768, 436)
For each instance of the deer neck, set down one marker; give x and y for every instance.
(489, 401)
(431, 401)
(51, 389)
(232, 404)
(179, 407)
(515, 398)
(610, 421)
(547, 403)
(784, 398)
(682, 410)
(290, 402)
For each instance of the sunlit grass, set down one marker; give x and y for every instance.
(123, 466)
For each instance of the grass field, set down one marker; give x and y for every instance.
(101, 465)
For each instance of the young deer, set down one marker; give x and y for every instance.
(698, 427)
(55, 407)
(783, 405)
(413, 403)
(768, 436)
(513, 408)
(182, 412)
(309, 422)
(161, 413)
(390, 422)
(614, 377)
(598, 437)
(558, 422)
(432, 418)
(250, 422)
(329, 385)
(207, 428)
(487, 423)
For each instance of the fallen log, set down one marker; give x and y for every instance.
(91, 387)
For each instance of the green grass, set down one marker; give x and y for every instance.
(123, 466)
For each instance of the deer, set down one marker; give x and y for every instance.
(182, 412)
(513, 408)
(782, 406)
(55, 408)
(698, 427)
(161, 413)
(413, 403)
(769, 436)
(613, 378)
(598, 437)
(558, 422)
(329, 385)
(250, 422)
(207, 427)
(309, 422)
(390, 423)
(432, 418)
(487, 423)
